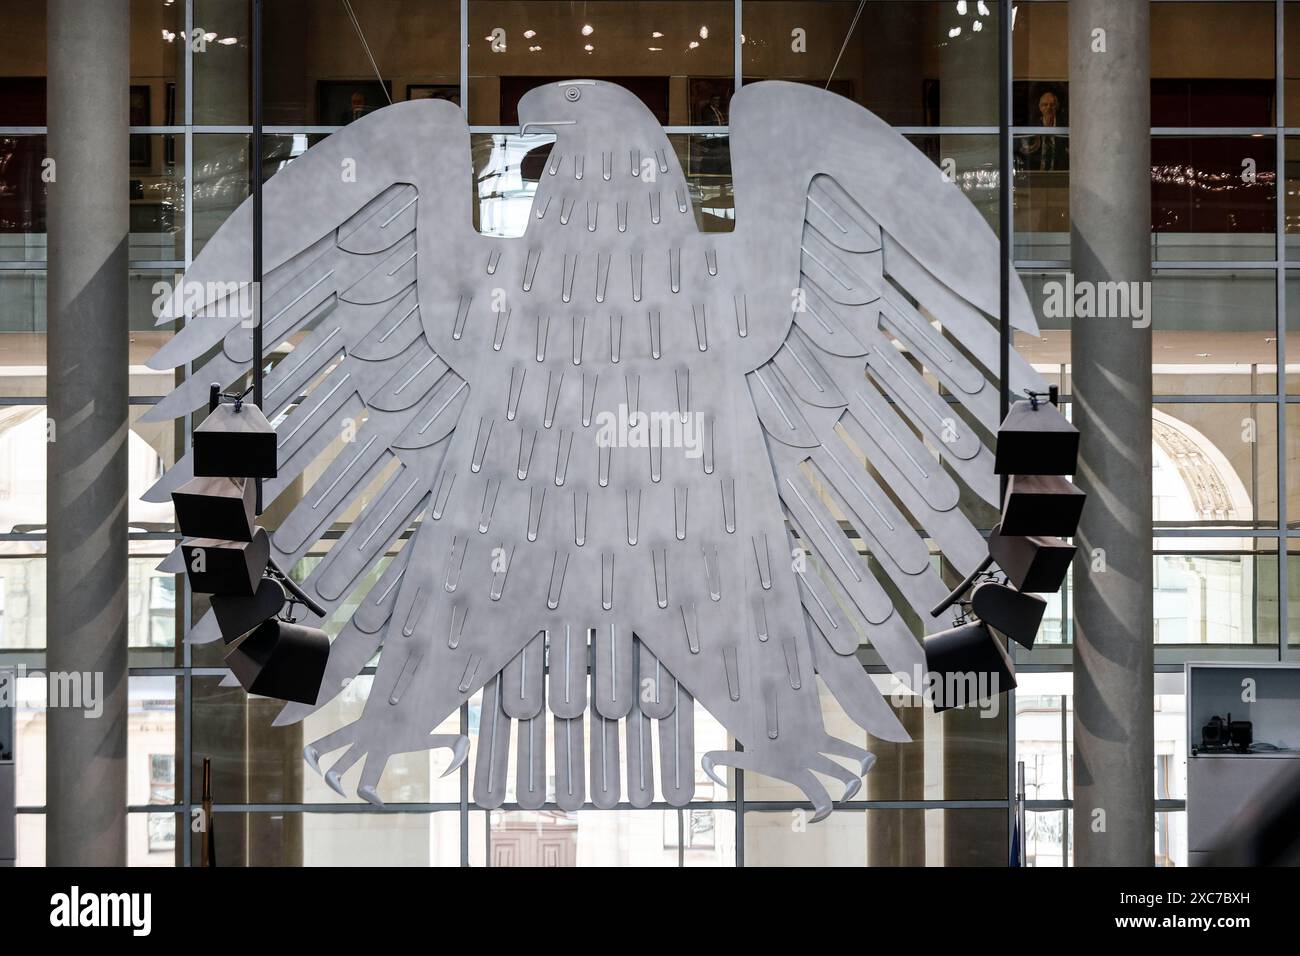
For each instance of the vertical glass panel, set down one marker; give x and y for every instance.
(1293, 333)
(968, 837)
(1047, 838)
(31, 839)
(1293, 465)
(24, 434)
(1045, 733)
(157, 62)
(1040, 62)
(653, 837)
(1293, 593)
(1042, 194)
(317, 65)
(1213, 198)
(221, 69)
(1214, 332)
(355, 837)
(1170, 721)
(972, 161)
(157, 190)
(1171, 838)
(1215, 591)
(22, 198)
(29, 741)
(1049, 351)
(1291, 60)
(1212, 64)
(1215, 465)
(1291, 210)
(913, 64)
(151, 839)
(221, 174)
(22, 53)
(677, 57)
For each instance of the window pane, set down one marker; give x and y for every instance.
(676, 56)
(1212, 198)
(1212, 64)
(22, 198)
(1214, 332)
(221, 174)
(973, 161)
(968, 837)
(652, 837)
(1293, 332)
(1215, 465)
(360, 838)
(1216, 594)
(1042, 195)
(913, 64)
(317, 71)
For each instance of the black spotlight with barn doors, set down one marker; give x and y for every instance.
(1036, 449)
(228, 556)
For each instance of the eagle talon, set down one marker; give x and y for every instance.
(334, 783)
(459, 751)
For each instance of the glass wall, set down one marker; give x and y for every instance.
(1226, 120)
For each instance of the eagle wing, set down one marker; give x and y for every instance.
(877, 388)
(361, 397)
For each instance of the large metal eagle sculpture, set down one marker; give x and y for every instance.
(832, 363)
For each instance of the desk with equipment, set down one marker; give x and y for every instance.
(1243, 735)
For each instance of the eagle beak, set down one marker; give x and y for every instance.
(549, 124)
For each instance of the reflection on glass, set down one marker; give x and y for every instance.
(22, 197)
(1215, 465)
(913, 64)
(968, 837)
(1213, 332)
(1215, 597)
(678, 58)
(653, 837)
(349, 838)
(1213, 198)
(1212, 64)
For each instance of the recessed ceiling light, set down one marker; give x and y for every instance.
(228, 41)
(589, 48)
(588, 29)
(954, 32)
(704, 33)
(693, 44)
(656, 35)
(655, 49)
(977, 26)
(529, 34)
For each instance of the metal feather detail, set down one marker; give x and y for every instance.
(636, 455)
